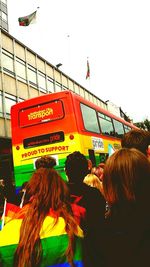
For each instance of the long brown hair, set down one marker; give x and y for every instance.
(48, 190)
(124, 173)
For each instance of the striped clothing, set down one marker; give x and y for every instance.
(54, 240)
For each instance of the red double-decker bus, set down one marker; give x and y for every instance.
(57, 124)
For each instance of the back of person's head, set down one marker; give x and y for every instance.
(136, 138)
(125, 173)
(47, 190)
(98, 171)
(45, 162)
(92, 180)
(76, 167)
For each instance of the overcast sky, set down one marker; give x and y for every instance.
(113, 34)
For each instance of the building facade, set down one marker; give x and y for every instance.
(3, 15)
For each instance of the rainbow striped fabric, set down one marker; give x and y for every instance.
(54, 241)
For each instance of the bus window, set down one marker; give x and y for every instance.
(106, 124)
(119, 130)
(90, 119)
(127, 128)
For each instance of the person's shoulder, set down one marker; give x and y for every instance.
(91, 190)
(93, 195)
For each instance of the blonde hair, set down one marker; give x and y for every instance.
(93, 181)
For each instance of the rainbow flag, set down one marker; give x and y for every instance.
(54, 241)
(10, 212)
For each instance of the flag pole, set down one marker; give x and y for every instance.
(22, 199)
(3, 215)
(69, 64)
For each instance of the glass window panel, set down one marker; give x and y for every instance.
(119, 130)
(21, 69)
(4, 16)
(20, 99)
(8, 103)
(32, 76)
(1, 104)
(81, 92)
(94, 100)
(64, 87)
(76, 89)
(90, 119)
(127, 128)
(90, 97)
(42, 80)
(87, 97)
(106, 126)
(57, 87)
(7, 62)
(104, 116)
(50, 85)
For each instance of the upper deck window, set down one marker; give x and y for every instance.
(119, 130)
(106, 124)
(90, 119)
(127, 128)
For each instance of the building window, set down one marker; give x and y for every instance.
(32, 75)
(57, 87)
(50, 85)
(64, 87)
(42, 81)
(20, 69)
(4, 1)
(91, 98)
(20, 99)
(81, 92)
(1, 104)
(86, 95)
(7, 62)
(94, 100)
(76, 89)
(4, 16)
(10, 100)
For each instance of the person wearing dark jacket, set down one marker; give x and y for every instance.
(126, 185)
(90, 207)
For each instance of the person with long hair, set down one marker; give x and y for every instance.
(126, 185)
(44, 232)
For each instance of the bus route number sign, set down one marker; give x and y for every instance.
(43, 139)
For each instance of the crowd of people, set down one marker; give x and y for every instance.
(100, 217)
